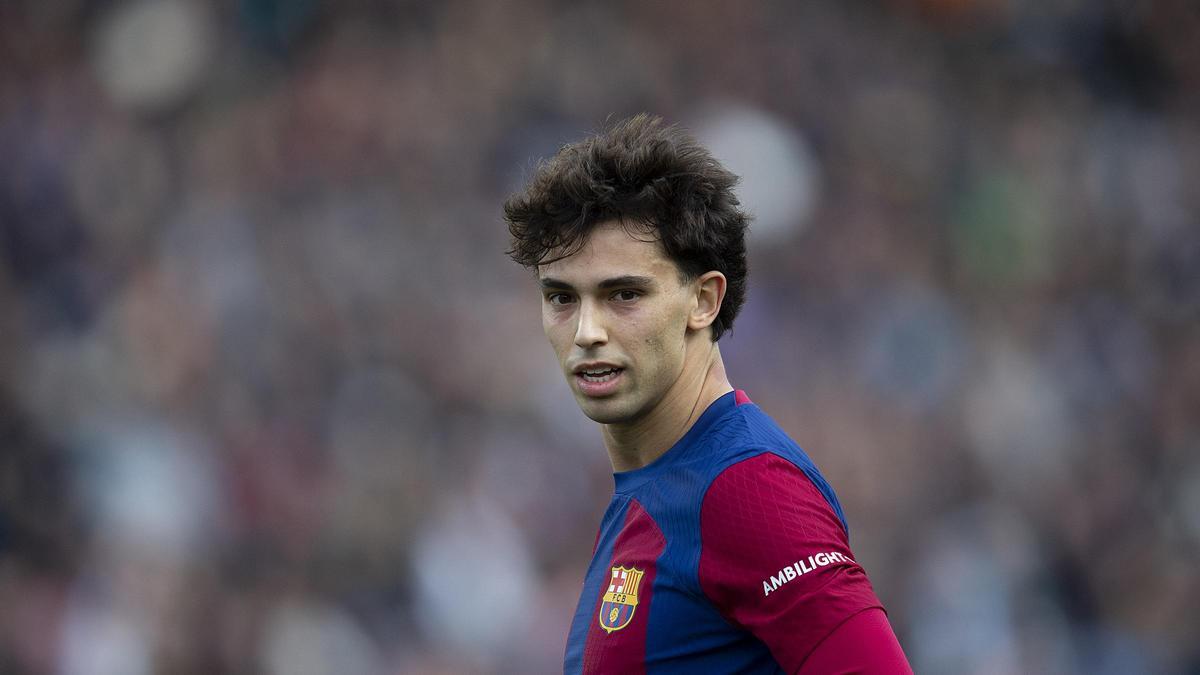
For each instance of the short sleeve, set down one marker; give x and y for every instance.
(864, 644)
(775, 558)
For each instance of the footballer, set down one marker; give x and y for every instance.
(723, 549)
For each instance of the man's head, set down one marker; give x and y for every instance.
(651, 176)
(639, 247)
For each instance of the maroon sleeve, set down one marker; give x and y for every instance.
(864, 644)
(775, 559)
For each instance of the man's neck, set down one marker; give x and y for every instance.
(634, 445)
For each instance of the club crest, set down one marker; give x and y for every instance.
(616, 611)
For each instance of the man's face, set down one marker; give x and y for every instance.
(616, 314)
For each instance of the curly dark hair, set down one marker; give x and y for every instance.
(647, 175)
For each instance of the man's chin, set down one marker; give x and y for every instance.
(608, 410)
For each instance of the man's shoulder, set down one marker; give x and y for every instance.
(749, 450)
(742, 445)
(745, 432)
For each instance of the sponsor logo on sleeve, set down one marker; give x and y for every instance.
(801, 567)
(616, 611)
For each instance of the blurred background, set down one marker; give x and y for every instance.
(273, 399)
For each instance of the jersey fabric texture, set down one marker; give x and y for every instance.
(728, 554)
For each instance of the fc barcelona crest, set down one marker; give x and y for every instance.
(616, 611)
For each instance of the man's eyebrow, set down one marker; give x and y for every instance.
(628, 280)
(548, 282)
(614, 282)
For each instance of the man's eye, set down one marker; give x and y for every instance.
(626, 296)
(558, 298)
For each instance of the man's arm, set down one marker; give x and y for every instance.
(864, 643)
(775, 560)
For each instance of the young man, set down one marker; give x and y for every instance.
(723, 549)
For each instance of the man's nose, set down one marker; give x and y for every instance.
(590, 331)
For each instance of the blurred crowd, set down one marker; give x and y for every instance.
(274, 400)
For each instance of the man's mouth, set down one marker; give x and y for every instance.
(599, 375)
(598, 379)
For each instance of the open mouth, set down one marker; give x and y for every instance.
(599, 375)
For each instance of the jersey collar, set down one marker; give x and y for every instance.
(627, 481)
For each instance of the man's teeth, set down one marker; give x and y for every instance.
(600, 375)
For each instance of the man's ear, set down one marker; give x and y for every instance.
(710, 293)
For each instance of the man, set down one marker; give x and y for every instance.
(723, 549)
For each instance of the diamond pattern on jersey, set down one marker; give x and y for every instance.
(775, 559)
(616, 638)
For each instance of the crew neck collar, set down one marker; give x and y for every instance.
(627, 481)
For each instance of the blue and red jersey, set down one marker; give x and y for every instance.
(728, 554)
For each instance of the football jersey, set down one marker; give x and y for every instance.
(727, 554)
